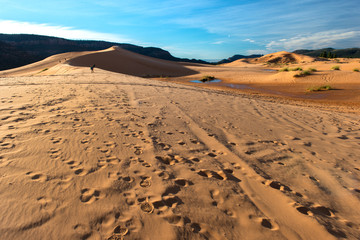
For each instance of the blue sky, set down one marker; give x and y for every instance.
(205, 29)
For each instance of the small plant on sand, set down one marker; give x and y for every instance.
(337, 67)
(312, 69)
(356, 70)
(285, 69)
(296, 69)
(320, 88)
(45, 69)
(207, 78)
(302, 74)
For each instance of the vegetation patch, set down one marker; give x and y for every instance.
(296, 69)
(356, 70)
(312, 69)
(286, 69)
(320, 88)
(303, 74)
(45, 69)
(337, 67)
(207, 78)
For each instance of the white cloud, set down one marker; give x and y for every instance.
(249, 40)
(218, 42)
(317, 40)
(15, 27)
(250, 52)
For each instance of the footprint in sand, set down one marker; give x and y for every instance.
(147, 207)
(89, 195)
(215, 195)
(83, 231)
(173, 219)
(138, 150)
(316, 210)
(55, 153)
(119, 233)
(72, 164)
(168, 201)
(277, 185)
(85, 141)
(110, 144)
(80, 172)
(56, 140)
(37, 176)
(145, 182)
(6, 146)
(164, 146)
(183, 182)
(169, 160)
(108, 160)
(220, 175)
(205, 173)
(194, 141)
(46, 204)
(268, 223)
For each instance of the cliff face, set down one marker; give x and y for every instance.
(20, 49)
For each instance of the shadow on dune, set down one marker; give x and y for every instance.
(119, 60)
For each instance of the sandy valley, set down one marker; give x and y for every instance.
(112, 155)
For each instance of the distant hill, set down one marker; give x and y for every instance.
(237, 57)
(20, 49)
(341, 53)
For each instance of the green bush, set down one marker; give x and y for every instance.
(285, 69)
(356, 70)
(320, 88)
(302, 74)
(337, 67)
(312, 69)
(207, 78)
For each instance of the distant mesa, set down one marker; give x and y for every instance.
(237, 57)
(18, 50)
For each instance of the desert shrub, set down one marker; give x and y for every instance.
(337, 67)
(302, 74)
(296, 69)
(285, 69)
(207, 78)
(356, 70)
(312, 69)
(320, 88)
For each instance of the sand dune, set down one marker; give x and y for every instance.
(105, 155)
(119, 60)
(42, 67)
(283, 57)
(113, 59)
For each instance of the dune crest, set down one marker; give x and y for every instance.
(116, 59)
(283, 57)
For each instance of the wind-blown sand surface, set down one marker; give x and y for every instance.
(110, 156)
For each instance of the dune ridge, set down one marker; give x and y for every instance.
(119, 60)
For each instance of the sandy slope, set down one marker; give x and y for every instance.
(102, 155)
(113, 59)
(116, 59)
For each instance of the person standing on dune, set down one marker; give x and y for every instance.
(92, 68)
